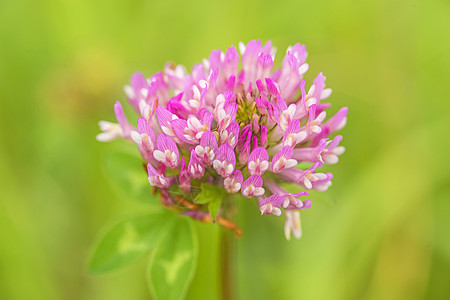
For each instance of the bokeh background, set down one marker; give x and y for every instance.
(381, 232)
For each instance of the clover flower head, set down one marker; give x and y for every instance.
(235, 122)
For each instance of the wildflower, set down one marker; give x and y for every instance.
(248, 131)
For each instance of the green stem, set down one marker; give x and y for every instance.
(226, 264)
(226, 257)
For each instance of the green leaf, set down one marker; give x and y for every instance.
(208, 193)
(128, 176)
(174, 261)
(128, 240)
(214, 207)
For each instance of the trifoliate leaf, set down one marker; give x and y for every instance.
(174, 261)
(128, 240)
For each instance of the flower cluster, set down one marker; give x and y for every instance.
(238, 123)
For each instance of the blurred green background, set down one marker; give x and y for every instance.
(381, 232)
